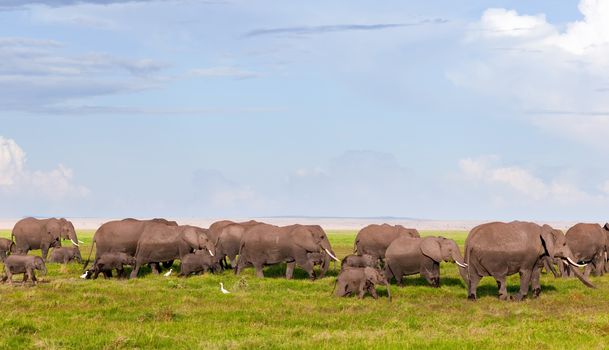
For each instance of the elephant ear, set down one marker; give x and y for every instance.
(548, 239)
(191, 237)
(303, 237)
(431, 248)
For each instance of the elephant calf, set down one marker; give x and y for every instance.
(25, 264)
(6, 246)
(111, 261)
(365, 260)
(199, 261)
(65, 254)
(358, 280)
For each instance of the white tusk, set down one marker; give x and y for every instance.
(462, 265)
(210, 253)
(76, 244)
(332, 256)
(79, 241)
(575, 264)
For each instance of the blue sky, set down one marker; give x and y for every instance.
(191, 108)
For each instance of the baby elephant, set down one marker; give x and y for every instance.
(197, 262)
(65, 254)
(359, 280)
(6, 246)
(25, 264)
(320, 259)
(365, 260)
(111, 261)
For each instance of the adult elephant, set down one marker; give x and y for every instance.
(229, 239)
(410, 256)
(266, 244)
(375, 239)
(501, 249)
(588, 242)
(32, 233)
(122, 236)
(165, 243)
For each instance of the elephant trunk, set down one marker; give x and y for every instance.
(583, 279)
(388, 290)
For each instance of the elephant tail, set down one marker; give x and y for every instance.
(334, 288)
(84, 267)
(355, 246)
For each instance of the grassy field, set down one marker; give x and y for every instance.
(66, 312)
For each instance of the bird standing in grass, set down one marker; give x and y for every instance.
(168, 273)
(224, 291)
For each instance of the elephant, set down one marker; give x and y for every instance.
(25, 264)
(31, 233)
(6, 246)
(166, 243)
(409, 256)
(588, 242)
(228, 239)
(321, 259)
(108, 262)
(199, 261)
(64, 255)
(360, 280)
(121, 236)
(365, 260)
(266, 244)
(374, 239)
(500, 249)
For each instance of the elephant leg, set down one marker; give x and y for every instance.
(259, 272)
(388, 273)
(25, 276)
(598, 264)
(95, 274)
(473, 281)
(155, 268)
(32, 276)
(306, 265)
(362, 289)
(525, 280)
(136, 269)
(233, 261)
(587, 270)
(289, 270)
(372, 291)
(536, 283)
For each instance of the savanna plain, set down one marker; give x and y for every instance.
(151, 312)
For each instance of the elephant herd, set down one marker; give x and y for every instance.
(381, 252)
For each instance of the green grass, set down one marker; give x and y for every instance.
(65, 312)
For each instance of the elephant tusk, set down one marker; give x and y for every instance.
(79, 241)
(332, 256)
(76, 244)
(210, 253)
(575, 264)
(462, 265)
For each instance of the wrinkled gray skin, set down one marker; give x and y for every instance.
(121, 236)
(375, 239)
(228, 241)
(365, 260)
(197, 262)
(165, 243)
(322, 260)
(266, 244)
(111, 261)
(500, 249)
(6, 246)
(32, 234)
(588, 242)
(64, 255)
(359, 281)
(410, 256)
(25, 264)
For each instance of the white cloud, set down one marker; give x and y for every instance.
(519, 181)
(17, 180)
(36, 75)
(537, 67)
